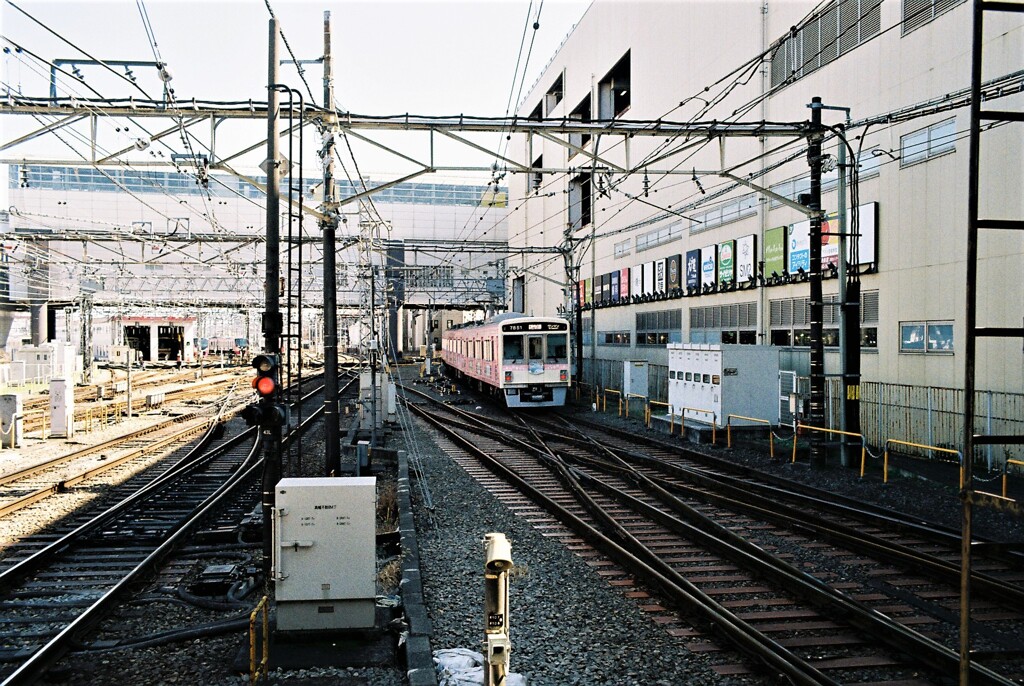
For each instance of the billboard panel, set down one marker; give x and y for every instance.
(624, 283)
(775, 251)
(799, 247)
(801, 231)
(615, 287)
(692, 268)
(708, 265)
(659, 276)
(726, 262)
(746, 258)
(673, 278)
(636, 280)
(648, 278)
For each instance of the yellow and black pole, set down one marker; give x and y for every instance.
(498, 553)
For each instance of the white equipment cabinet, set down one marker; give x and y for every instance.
(325, 569)
(62, 409)
(713, 381)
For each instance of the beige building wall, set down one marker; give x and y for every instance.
(684, 54)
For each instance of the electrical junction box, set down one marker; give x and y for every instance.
(707, 383)
(325, 570)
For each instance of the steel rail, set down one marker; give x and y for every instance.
(744, 636)
(59, 486)
(33, 668)
(733, 546)
(38, 467)
(773, 486)
(740, 495)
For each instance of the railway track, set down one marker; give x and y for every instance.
(90, 410)
(754, 584)
(59, 585)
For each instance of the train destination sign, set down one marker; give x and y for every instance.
(535, 326)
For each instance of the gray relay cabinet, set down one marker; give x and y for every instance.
(325, 568)
(708, 382)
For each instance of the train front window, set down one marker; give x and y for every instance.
(537, 348)
(557, 348)
(513, 348)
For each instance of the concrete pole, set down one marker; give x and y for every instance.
(329, 225)
(817, 368)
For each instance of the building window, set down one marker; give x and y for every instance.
(613, 94)
(733, 323)
(582, 115)
(935, 140)
(867, 166)
(836, 29)
(723, 213)
(926, 337)
(622, 249)
(614, 338)
(580, 199)
(917, 13)
(554, 95)
(790, 320)
(659, 328)
(665, 234)
(537, 114)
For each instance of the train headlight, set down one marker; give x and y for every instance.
(563, 375)
(508, 376)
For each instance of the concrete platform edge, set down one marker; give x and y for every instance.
(419, 656)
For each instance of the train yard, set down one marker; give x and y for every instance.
(658, 559)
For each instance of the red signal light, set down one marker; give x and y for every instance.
(264, 385)
(508, 376)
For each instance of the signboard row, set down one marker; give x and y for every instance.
(784, 249)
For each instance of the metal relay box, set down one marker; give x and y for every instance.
(634, 378)
(325, 561)
(709, 382)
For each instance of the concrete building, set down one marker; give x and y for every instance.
(671, 244)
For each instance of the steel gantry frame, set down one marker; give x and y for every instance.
(453, 128)
(188, 115)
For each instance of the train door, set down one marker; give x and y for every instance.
(535, 349)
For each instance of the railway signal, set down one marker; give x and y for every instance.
(266, 381)
(267, 411)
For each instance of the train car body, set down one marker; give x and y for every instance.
(526, 359)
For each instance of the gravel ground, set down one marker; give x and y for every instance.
(568, 626)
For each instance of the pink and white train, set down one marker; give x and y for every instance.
(526, 359)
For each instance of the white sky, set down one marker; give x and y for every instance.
(422, 57)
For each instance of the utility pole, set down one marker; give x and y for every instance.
(329, 227)
(572, 275)
(374, 342)
(849, 312)
(817, 401)
(271, 434)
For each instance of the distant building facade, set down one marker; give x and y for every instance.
(138, 236)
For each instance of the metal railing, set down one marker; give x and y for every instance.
(728, 431)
